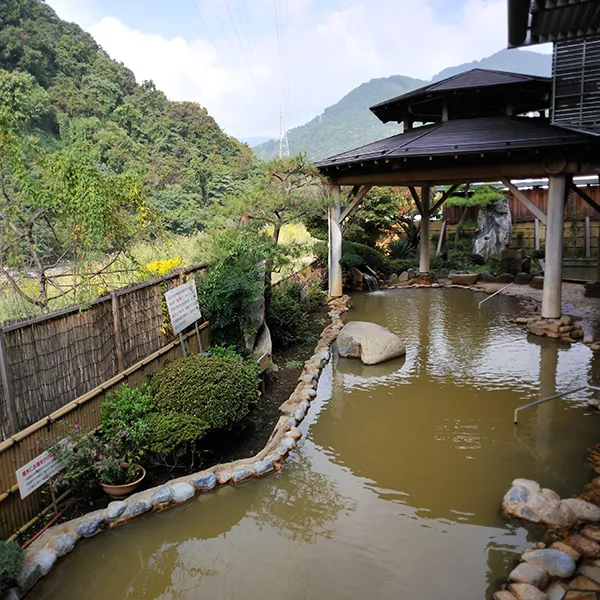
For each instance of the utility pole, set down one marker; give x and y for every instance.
(284, 146)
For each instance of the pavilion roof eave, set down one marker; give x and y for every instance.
(478, 170)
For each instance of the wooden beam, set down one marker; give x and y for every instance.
(416, 198)
(584, 196)
(446, 175)
(444, 197)
(441, 239)
(358, 198)
(517, 193)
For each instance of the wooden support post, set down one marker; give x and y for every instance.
(359, 196)
(425, 237)
(598, 258)
(440, 243)
(9, 397)
(335, 245)
(416, 198)
(534, 208)
(588, 240)
(552, 293)
(537, 234)
(117, 331)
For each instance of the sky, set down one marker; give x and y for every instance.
(245, 59)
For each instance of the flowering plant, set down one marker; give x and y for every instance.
(87, 459)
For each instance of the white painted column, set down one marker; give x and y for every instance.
(425, 235)
(551, 298)
(335, 245)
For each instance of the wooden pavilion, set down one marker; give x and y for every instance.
(478, 126)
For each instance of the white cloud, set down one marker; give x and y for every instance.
(332, 51)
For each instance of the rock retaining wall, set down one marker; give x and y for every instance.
(61, 539)
(569, 569)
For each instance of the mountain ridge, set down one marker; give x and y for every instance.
(349, 123)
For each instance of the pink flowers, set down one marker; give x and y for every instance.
(77, 426)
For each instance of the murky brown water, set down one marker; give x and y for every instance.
(395, 491)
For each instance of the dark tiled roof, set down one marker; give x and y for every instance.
(551, 20)
(464, 136)
(470, 92)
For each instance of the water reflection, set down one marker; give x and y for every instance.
(395, 490)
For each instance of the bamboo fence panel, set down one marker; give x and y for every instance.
(85, 410)
(53, 359)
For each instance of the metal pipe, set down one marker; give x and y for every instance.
(583, 387)
(496, 292)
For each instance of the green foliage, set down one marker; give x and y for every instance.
(537, 254)
(467, 227)
(371, 257)
(400, 265)
(173, 433)
(218, 391)
(510, 265)
(493, 264)
(401, 249)
(461, 260)
(11, 561)
(476, 196)
(122, 415)
(225, 352)
(287, 315)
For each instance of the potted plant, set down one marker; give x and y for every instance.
(89, 460)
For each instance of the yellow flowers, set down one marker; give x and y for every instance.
(163, 267)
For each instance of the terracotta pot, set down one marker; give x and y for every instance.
(122, 491)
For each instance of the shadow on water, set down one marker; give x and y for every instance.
(395, 491)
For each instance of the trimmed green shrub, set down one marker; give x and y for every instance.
(218, 391)
(510, 265)
(173, 433)
(11, 561)
(287, 315)
(375, 259)
(398, 266)
(537, 254)
(401, 249)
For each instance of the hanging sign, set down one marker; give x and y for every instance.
(38, 471)
(182, 303)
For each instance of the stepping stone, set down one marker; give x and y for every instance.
(532, 574)
(556, 591)
(524, 591)
(581, 582)
(572, 595)
(583, 545)
(554, 562)
(504, 595)
(590, 570)
(592, 532)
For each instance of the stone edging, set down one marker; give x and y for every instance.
(60, 540)
(569, 568)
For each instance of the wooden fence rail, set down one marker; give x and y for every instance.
(47, 361)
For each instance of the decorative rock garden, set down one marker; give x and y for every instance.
(59, 540)
(564, 329)
(569, 569)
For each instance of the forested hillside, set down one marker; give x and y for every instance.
(178, 151)
(347, 124)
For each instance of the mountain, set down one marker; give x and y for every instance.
(516, 61)
(183, 157)
(254, 140)
(349, 123)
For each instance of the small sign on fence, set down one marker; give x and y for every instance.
(183, 306)
(38, 471)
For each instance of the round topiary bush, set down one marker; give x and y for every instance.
(218, 391)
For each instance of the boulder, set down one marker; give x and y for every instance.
(537, 282)
(523, 278)
(585, 547)
(494, 228)
(465, 278)
(524, 591)
(592, 289)
(531, 574)
(584, 511)
(403, 277)
(554, 562)
(370, 342)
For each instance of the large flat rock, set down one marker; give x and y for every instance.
(370, 342)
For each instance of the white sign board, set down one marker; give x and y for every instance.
(183, 306)
(36, 472)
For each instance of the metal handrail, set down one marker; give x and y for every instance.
(583, 387)
(496, 292)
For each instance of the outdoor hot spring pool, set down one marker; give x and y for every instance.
(395, 490)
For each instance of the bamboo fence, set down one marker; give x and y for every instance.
(56, 370)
